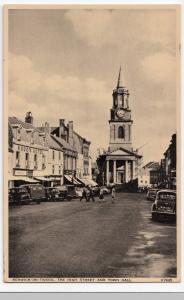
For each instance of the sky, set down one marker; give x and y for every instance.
(63, 64)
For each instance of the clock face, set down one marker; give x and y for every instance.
(120, 113)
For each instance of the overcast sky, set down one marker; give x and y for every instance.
(64, 64)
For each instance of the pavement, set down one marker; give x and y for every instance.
(86, 239)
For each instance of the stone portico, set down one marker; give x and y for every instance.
(120, 166)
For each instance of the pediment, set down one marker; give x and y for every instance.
(121, 151)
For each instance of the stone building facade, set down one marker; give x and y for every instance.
(29, 151)
(35, 155)
(80, 147)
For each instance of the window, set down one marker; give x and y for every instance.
(53, 155)
(35, 162)
(18, 134)
(121, 133)
(17, 159)
(27, 160)
(59, 170)
(59, 155)
(121, 102)
(32, 138)
(129, 132)
(43, 161)
(53, 169)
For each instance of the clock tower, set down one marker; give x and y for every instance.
(120, 118)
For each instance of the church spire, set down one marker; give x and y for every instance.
(119, 83)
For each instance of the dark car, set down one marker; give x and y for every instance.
(53, 194)
(164, 207)
(18, 195)
(151, 194)
(96, 190)
(36, 192)
(67, 192)
(106, 189)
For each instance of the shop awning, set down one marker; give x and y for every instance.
(88, 181)
(84, 181)
(22, 178)
(72, 180)
(68, 178)
(92, 182)
(43, 179)
(54, 178)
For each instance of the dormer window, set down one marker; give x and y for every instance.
(18, 134)
(32, 138)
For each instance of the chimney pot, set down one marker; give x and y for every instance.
(29, 118)
(61, 121)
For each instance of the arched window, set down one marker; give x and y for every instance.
(121, 133)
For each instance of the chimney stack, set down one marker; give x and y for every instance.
(29, 118)
(47, 128)
(70, 132)
(62, 128)
(61, 122)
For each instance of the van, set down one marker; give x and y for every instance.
(36, 192)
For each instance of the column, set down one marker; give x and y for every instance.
(133, 169)
(126, 170)
(114, 171)
(107, 172)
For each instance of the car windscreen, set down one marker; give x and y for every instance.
(166, 198)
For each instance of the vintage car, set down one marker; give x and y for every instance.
(18, 195)
(67, 192)
(106, 189)
(164, 207)
(53, 194)
(96, 190)
(151, 194)
(36, 192)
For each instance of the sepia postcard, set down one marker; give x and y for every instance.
(92, 143)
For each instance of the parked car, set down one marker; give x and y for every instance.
(151, 194)
(18, 195)
(164, 207)
(53, 194)
(96, 190)
(36, 192)
(106, 190)
(67, 192)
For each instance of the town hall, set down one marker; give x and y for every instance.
(121, 159)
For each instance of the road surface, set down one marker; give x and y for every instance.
(86, 239)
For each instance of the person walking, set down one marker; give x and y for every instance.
(113, 194)
(91, 194)
(84, 194)
(101, 195)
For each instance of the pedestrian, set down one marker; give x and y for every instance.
(113, 194)
(101, 195)
(91, 194)
(84, 194)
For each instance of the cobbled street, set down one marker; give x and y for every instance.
(86, 239)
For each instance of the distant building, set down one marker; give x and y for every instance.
(149, 175)
(55, 160)
(170, 163)
(10, 156)
(79, 145)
